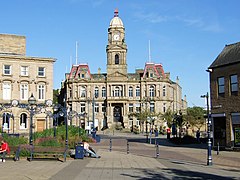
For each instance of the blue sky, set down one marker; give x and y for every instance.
(186, 35)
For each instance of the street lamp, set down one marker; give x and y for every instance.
(209, 155)
(32, 103)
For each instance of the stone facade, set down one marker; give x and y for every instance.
(116, 94)
(20, 77)
(225, 97)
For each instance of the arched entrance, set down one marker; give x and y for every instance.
(117, 114)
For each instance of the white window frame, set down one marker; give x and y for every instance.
(41, 92)
(41, 71)
(130, 92)
(7, 69)
(103, 92)
(7, 91)
(24, 70)
(23, 122)
(24, 91)
(151, 91)
(137, 91)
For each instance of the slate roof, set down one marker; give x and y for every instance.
(229, 55)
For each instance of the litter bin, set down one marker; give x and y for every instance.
(79, 151)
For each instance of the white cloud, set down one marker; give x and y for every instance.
(150, 17)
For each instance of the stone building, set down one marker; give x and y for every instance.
(110, 97)
(20, 77)
(225, 96)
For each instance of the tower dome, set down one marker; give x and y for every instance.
(116, 21)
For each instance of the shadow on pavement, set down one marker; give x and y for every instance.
(169, 173)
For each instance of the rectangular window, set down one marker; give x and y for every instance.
(130, 92)
(83, 108)
(41, 92)
(138, 108)
(24, 71)
(137, 91)
(221, 86)
(41, 71)
(96, 107)
(24, 92)
(234, 83)
(130, 108)
(7, 69)
(6, 91)
(152, 109)
(103, 108)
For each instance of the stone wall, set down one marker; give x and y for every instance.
(12, 44)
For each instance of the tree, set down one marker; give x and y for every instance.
(168, 116)
(55, 96)
(195, 116)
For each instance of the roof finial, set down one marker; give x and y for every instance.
(116, 13)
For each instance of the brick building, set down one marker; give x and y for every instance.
(225, 96)
(20, 77)
(110, 97)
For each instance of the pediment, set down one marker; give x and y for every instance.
(117, 74)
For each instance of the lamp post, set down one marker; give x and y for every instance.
(32, 103)
(209, 155)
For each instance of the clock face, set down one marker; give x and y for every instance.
(116, 37)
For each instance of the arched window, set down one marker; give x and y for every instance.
(23, 121)
(6, 121)
(138, 91)
(151, 91)
(130, 92)
(116, 59)
(103, 92)
(117, 92)
(96, 93)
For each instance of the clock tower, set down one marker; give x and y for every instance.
(116, 48)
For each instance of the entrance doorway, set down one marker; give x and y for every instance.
(219, 127)
(117, 114)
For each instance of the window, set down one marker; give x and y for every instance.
(130, 92)
(6, 91)
(130, 108)
(83, 91)
(41, 92)
(138, 108)
(41, 71)
(24, 71)
(83, 108)
(234, 83)
(137, 91)
(221, 85)
(103, 92)
(130, 122)
(116, 59)
(103, 108)
(82, 75)
(152, 109)
(138, 122)
(23, 121)
(151, 91)
(164, 91)
(96, 91)
(164, 107)
(6, 120)
(96, 107)
(7, 69)
(24, 91)
(117, 92)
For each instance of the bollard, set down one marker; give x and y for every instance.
(157, 151)
(218, 148)
(127, 147)
(155, 141)
(110, 145)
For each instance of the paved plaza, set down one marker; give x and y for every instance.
(174, 162)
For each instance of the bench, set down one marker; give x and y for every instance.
(14, 153)
(47, 153)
